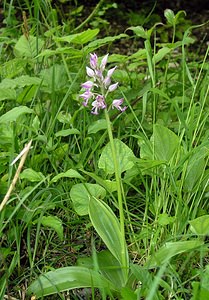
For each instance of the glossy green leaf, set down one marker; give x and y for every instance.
(124, 155)
(67, 278)
(170, 249)
(69, 174)
(80, 195)
(14, 113)
(107, 226)
(32, 175)
(200, 225)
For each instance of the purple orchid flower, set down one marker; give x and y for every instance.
(99, 85)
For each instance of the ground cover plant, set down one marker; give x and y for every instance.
(104, 155)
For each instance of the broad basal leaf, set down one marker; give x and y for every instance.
(124, 155)
(200, 225)
(68, 278)
(82, 192)
(14, 113)
(107, 226)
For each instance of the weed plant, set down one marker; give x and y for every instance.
(109, 205)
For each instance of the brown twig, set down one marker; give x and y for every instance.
(12, 185)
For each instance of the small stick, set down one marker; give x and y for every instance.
(24, 154)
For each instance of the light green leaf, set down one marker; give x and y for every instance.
(71, 52)
(31, 175)
(124, 155)
(80, 195)
(161, 54)
(169, 14)
(70, 174)
(26, 80)
(14, 113)
(96, 126)
(108, 266)
(139, 31)
(68, 278)
(109, 185)
(28, 47)
(100, 42)
(7, 94)
(67, 132)
(79, 38)
(195, 167)
(107, 226)
(200, 225)
(165, 219)
(169, 250)
(165, 143)
(54, 223)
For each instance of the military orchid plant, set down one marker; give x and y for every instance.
(98, 89)
(110, 270)
(99, 86)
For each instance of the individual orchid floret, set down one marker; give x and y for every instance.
(86, 96)
(117, 104)
(93, 60)
(113, 87)
(87, 85)
(103, 62)
(90, 72)
(98, 104)
(110, 72)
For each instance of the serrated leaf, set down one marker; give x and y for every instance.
(70, 174)
(80, 195)
(124, 155)
(31, 175)
(14, 113)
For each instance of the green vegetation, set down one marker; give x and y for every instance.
(111, 205)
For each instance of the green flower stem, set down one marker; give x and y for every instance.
(124, 257)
